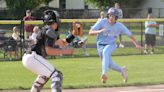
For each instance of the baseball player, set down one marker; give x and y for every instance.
(34, 58)
(107, 31)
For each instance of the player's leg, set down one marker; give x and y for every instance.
(153, 42)
(56, 78)
(146, 43)
(39, 83)
(146, 49)
(56, 85)
(107, 59)
(55, 75)
(40, 66)
(104, 52)
(100, 50)
(108, 63)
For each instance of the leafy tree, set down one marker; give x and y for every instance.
(101, 4)
(17, 8)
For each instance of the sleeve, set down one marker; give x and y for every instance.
(51, 33)
(49, 41)
(42, 38)
(125, 30)
(51, 37)
(97, 25)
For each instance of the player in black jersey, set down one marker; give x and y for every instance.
(34, 58)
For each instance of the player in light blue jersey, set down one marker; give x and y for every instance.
(107, 31)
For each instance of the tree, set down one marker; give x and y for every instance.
(101, 4)
(17, 8)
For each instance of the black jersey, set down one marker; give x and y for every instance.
(46, 37)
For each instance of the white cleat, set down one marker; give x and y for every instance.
(125, 74)
(121, 45)
(145, 52)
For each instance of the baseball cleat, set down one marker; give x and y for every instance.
(121, 45)
(145, 52)
(104, 78)
(124, 74)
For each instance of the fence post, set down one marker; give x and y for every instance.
(159, 13)
(141, 36)
(22, 37)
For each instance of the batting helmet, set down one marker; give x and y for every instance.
(50, 16)
(113, 11)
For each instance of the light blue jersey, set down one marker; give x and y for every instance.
(106, 42)
(150, 30)
(111, 33)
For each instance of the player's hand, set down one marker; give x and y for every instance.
(139, 47)
(62, 43)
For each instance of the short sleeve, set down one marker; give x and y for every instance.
(51, 37)
(125, 30)
(97, 25)
(49, 41)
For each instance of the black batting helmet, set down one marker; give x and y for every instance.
(50, 16)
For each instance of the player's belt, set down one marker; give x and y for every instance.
(102, 44)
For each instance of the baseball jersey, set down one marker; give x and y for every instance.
(150, 30)
(45, 37)
(109, 36)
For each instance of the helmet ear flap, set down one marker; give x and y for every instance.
(116, 17)
(107, 16)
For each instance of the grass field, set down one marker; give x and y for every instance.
(85, 72)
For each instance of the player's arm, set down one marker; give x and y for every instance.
(61, 43)
(134, 41)
(97, 28)
(152, 25)
(147, 24)
(95, 32)
(57, 51)
(126, 31)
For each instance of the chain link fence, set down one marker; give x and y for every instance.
(136, 27)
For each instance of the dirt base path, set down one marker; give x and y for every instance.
(152, 88)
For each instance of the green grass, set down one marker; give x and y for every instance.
(86, 72)
(118, 52)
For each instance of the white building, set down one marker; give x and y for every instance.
(2, 4)
(156, 5)
(80, 4)
(67, 4)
